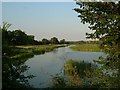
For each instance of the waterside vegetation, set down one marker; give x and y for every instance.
(87, 47)
(25, 52)
(76, 75)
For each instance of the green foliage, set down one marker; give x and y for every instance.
(19, 38)
(30, 39)
(104, 20)
(45, 41)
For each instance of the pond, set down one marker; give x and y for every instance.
(51, 63)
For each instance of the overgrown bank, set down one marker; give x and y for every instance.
(76, 75)
(24, 52)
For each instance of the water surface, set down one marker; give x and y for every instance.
(51, 63)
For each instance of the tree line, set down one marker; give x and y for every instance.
(19, 37)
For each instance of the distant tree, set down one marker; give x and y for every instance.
(62, 41)
(30, 39)
(40, 42)
(10, 37)
(36, 42)
(81, 42)
(16, 37)
(20, 38)
(54, 40)
(45, 41)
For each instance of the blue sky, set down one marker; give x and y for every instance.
(45, 19)
(0, 13)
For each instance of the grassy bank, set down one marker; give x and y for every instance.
(86, 47)
(24, 52)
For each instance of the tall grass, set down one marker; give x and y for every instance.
(77, 75)
(72, 67)
(87, 47)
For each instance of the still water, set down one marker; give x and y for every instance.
(51, 63)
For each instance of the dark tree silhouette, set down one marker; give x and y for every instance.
(54, 40)
(45, 41)
(104, 20)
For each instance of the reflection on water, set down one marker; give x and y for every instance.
(51, 63)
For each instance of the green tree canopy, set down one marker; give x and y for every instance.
(15, 37)
(54, 40)
(104, 21)
(45, 41)
(20, 38)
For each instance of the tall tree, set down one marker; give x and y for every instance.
(104, 20)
